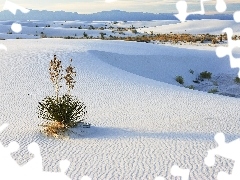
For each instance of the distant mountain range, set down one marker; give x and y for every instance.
(114, 15)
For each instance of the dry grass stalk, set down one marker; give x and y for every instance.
(70, 73)
(55, 71)
(54, 129)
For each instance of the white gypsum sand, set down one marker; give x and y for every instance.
(142, 123)
(35, 29)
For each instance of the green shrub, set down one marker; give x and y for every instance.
(65, 109)
(190, 87)
(191, 71)
(102, 35)
(134, 31)
(214, 90)
(205, 75)
(179, 79)
(9, 32)
(85, 35)
(237, 80)
(61, 112)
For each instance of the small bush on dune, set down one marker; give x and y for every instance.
(134, 31)
(65, 109)
(61, 112)
(191, 71)
(179, 79)
(190, 87)
(214, 90)
(237, 80)
(206, 75)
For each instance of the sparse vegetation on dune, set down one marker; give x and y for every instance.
(191, 71)
(237, 80)
(61, 112)
(179, 79)
(217, 84)
(214, 90)
(120, 34)
(205, 75)
(183, 38)
(190, 87)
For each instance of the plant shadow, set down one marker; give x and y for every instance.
(120, 133)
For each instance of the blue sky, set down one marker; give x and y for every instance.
(91, 6)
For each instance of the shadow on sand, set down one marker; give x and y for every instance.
(112, 133)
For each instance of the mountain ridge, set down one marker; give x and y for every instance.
(113, 15)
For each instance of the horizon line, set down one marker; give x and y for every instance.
(111, 11)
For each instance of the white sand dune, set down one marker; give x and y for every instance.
(211, 26)
(142, 124)
(35, 29)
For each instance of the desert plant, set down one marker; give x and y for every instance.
(196, 80)
(214, 41)
(102, 35)
(43, 35)
(9, 32)
(237, 80)
(54, 128)
(190, 87)
(55, 71)
(66, 109)
(191, 71)
(205, 75)
(134, 31)
(214, 90)
(91, 27)
(85, 34)
(70, 73)
(61, 112)
(179, 79)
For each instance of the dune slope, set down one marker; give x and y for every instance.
(141, 126)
